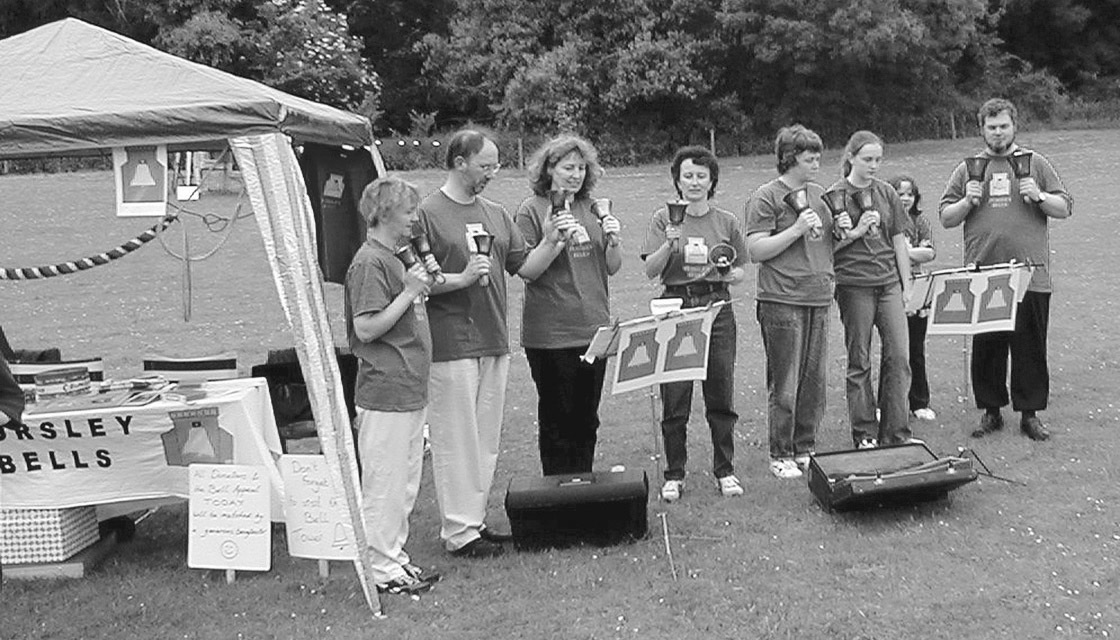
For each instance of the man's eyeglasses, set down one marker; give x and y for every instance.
(490, 168)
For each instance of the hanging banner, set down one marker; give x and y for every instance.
(968, 302)
(140, 175)
(664, 348)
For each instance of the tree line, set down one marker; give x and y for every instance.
(641, 76)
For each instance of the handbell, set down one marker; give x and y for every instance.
(601, 207)
(406, 255)
(865, 200)
(423, 249)
(976, 166)
(723, 257)
(483, 243)
(558, 200)
(676, 212)
(835, 201)
(1021, 164)
(798, 200)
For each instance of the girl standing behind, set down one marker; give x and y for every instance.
(919, 238)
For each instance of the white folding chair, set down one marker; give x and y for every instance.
(193, 371)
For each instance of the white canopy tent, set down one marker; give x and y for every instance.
(72, 89)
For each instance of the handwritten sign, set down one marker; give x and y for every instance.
(318, 526)
(229, 518)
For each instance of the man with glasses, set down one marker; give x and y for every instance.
(470, 339)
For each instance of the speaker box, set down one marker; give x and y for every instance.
(597, 508)
(887, 476)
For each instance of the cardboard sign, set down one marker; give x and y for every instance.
(668, 348)
(140, 174)
(972, 302)
(229, 518)
(317, 522)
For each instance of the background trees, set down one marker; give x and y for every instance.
(642, 76)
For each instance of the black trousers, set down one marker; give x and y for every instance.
(919, 381)
(1030, 375)
(568, 394)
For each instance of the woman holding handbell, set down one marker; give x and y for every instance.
(872, 287)
(696, 250)
(791, 235)
(568, 301)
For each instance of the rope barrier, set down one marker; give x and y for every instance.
(96, 260)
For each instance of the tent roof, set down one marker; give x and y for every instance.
(70, 87)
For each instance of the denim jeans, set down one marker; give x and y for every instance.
(861, 310)
(568, 392)
(796, 342)
(719, 404)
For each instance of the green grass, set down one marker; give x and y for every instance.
(995, 561)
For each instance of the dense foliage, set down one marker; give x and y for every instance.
(641, 76)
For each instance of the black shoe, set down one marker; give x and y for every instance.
(431, 577)
(1034, 428)
(490, 535)
(406, 584)
(989, 422)
(479, 548)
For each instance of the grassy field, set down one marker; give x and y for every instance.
(995, 561)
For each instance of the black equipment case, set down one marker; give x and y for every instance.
(597, 508)
(891, 475)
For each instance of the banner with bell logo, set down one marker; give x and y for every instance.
(971, 301)
(663, 348)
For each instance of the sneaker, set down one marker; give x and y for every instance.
(867, 443)
(925, 413)
(785, 468)
(406, 584)
(671, 490)
(479, 548)
(802, 461)
(431, 577)
(1034, 428)
(729, 486)
(989, 423)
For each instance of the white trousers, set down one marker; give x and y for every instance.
(467, 399)
(391, 446)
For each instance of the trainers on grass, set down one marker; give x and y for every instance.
(729, 486)
(671, 490)
(785, 468)
(925, 413)
(406, 584)
(802, 461)
(431, 577)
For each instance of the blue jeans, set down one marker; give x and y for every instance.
(796, 342)
(719, 404)
(861, 310)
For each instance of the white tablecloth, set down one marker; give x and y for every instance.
(125, 458)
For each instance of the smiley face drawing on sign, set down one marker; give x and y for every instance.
(229, 550)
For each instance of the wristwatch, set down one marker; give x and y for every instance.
(1041, 197)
